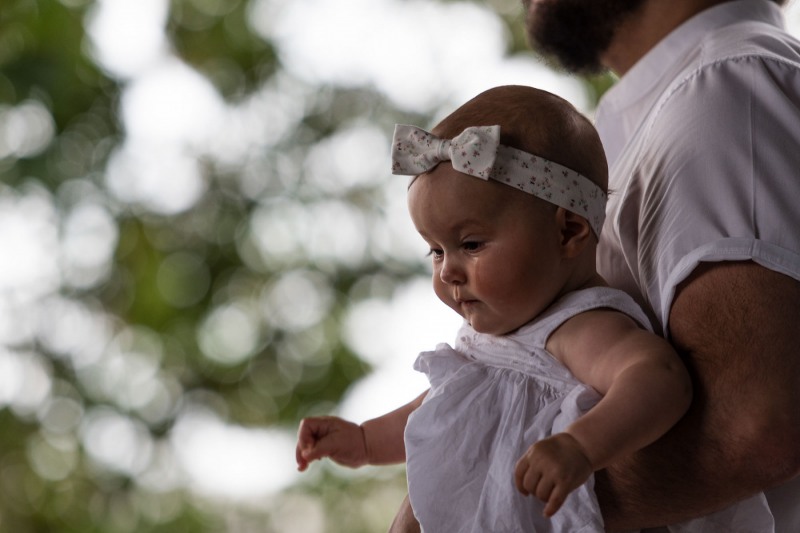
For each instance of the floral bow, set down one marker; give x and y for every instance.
(472, 152)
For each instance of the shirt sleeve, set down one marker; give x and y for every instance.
(725, 147)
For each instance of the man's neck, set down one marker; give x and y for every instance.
(645, 28)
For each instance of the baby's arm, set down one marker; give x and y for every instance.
(377, 442)
(645, 388)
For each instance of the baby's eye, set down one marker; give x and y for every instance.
(471, 246)
(436, 253)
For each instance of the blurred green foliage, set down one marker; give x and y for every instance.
(49, 482)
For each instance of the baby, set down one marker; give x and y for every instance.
(553, 375)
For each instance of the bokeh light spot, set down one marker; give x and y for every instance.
(229, 334)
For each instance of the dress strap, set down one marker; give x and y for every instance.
(522, 349)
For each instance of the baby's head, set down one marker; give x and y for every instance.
(536, 122)
(502, 249)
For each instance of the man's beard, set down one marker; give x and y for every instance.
(576, 32)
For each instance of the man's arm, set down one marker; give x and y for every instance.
(738, 327)
(405, 522)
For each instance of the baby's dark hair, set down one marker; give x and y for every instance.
(536, 122)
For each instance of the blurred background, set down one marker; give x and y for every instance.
(201, 243)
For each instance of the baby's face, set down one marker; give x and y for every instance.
(495, 250)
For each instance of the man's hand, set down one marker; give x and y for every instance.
(330, 436)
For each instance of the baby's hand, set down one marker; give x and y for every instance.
(551, 469)
(330, 436)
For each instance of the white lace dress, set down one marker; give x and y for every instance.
(490, 399)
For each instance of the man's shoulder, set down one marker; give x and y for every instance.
(748, 40)
(730, 71)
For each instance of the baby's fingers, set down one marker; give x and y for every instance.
(307, 436)
(302, 464)
(555, 501)
(544, 489)
(526, 478)
(519, 476)
(308, 432)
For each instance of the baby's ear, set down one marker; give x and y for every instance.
(576, 232)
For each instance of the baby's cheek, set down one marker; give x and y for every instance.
(444, 295)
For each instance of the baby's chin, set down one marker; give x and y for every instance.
(488, 326)
(497, 330)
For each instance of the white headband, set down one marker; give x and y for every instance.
(477, 152)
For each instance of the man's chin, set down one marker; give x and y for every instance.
(569, 65)
(574, 34)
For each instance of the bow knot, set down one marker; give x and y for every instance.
(472, 152)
